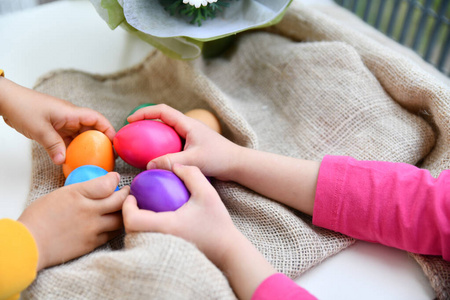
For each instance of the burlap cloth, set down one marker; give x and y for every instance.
(320, 82)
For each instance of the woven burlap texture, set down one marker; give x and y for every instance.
(309, 86)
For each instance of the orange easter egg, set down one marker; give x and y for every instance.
(206, 117)
(91, 147)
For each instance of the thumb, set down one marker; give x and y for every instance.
(197, 184)
(100, 187)
(136, 219)
(54, 145)
(167, 161)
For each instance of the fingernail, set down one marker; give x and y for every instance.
(59, 158)
(151, 165)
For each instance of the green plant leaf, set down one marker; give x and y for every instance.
(115, 12)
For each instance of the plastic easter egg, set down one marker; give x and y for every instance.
(139, 142)
(159, 190)
(85, 173)
(206, 117)
(136, 109)
(91, 147)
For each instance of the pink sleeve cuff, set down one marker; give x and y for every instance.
(330, 183)
(279, 286)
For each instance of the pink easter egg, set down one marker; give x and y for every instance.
(139, 142)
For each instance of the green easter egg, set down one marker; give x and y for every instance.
(136, 109)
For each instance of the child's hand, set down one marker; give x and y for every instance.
(204, 148)
(288, 180)
(205, 222)
(75, 219)
(50, 121)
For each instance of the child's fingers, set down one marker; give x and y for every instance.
(53, 144)
(111, 222)
(100, 187)
(136, 219)
(114, 202)
(106, 236)
(91, 119)
(167, 161)
(104, 126)
(195, 181)
(165, 113)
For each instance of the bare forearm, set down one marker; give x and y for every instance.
(11, 95)
(245, 267)
(287, 180)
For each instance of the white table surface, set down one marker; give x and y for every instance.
(70, 34)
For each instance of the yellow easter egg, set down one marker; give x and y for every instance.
(206, 117)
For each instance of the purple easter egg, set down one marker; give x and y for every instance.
(159, 190)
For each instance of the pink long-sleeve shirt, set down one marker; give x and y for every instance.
(394, 204)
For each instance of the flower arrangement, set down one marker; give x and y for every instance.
(182, 29)
(198, 10)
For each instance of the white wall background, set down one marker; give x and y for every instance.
(8, 6)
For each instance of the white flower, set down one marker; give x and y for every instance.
(198, 3)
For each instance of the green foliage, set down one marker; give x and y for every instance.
(197, 15)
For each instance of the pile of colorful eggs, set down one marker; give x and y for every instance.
(91, 155)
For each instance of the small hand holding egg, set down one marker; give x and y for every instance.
(85, 173)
